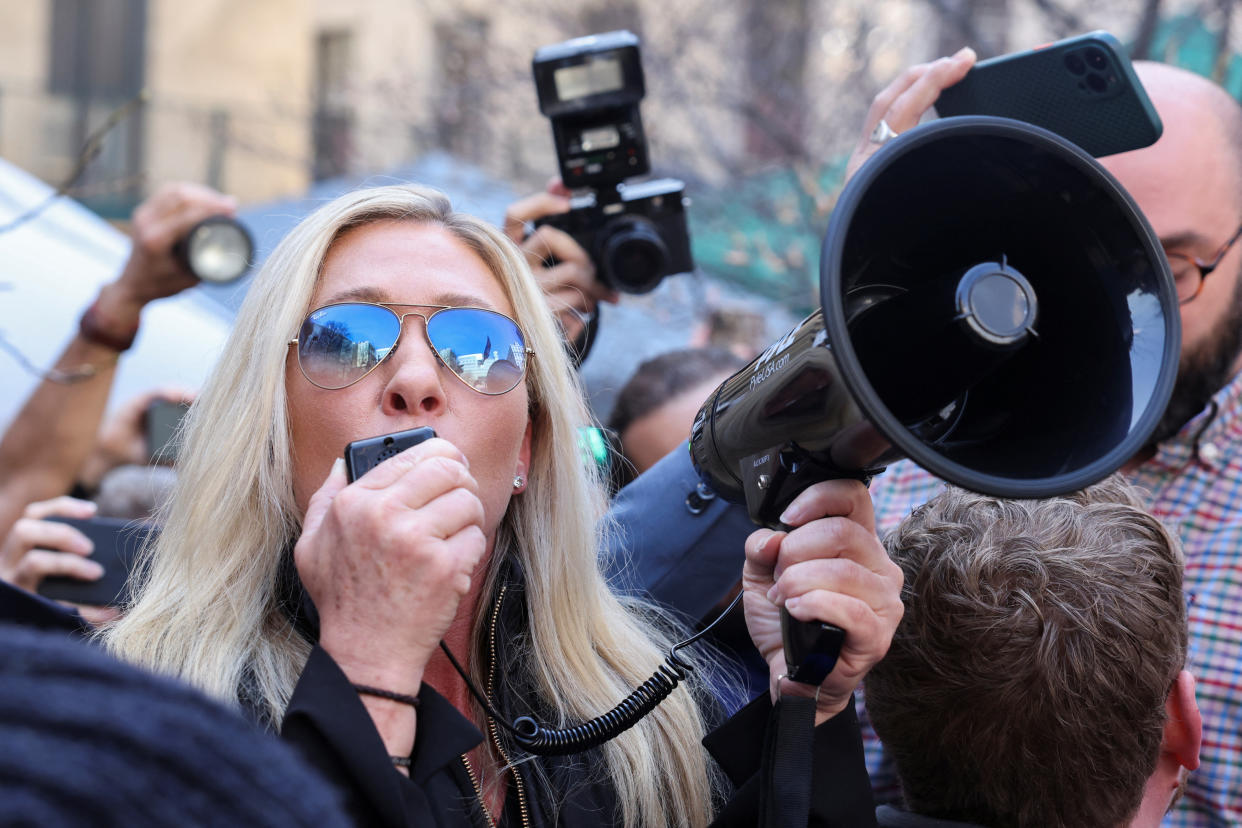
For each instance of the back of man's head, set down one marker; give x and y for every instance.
(1026, 685)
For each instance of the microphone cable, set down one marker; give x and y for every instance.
(545, 741)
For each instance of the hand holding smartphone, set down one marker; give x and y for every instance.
(117, 542)
(1083, 88)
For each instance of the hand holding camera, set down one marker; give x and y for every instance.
(562, 267)
(635, 233)
(157, 264)
(155, 269)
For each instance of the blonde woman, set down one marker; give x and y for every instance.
(318, 606)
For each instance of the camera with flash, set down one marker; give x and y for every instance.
(590, 88)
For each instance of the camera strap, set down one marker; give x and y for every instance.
(787, 772)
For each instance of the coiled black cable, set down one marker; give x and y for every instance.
(544, 741)
(553, 742)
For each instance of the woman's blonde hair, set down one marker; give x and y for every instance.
(207, 607)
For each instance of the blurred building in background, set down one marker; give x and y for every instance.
(228, 84)
(755, 103)
(261, 97)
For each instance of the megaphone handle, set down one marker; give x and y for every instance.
(771, 480)
(811, 648)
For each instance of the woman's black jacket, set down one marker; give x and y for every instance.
(329, 724)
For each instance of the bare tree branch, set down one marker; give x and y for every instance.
(958, 16)
(1146, 31)
(1223, 52)
(1065, 21)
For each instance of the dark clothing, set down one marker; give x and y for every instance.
(677, 544)
(327, 722)
(91, 741)
(330, 725)
(17, 606)
(889, 817)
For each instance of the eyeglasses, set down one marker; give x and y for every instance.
(340, 344)
(1189, 272)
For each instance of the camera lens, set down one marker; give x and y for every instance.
(1096, 59)
(217, 249)
(1097, 83)
(634, 257)
(1074, 63)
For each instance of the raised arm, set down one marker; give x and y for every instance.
(54, 432)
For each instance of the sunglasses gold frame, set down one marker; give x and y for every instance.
(389, 306)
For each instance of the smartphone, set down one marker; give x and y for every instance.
(1083, 89)
(163, 419)
(363, 455)
(117, 542)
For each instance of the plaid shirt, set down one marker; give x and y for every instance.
(1198, 494)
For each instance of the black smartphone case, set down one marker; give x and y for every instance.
(1101, 108)
(117, 542)
(363, 455)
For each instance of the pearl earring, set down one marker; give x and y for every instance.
(518, 481)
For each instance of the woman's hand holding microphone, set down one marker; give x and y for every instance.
(388, 561)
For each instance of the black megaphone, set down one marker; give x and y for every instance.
(994, 307)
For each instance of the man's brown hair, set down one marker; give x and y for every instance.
(1026, 684)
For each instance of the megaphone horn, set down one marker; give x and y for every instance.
(994, 307)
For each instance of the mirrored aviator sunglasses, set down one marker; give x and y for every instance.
(340, 344)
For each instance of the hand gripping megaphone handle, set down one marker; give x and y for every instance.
(811, 648)
(772, 479)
